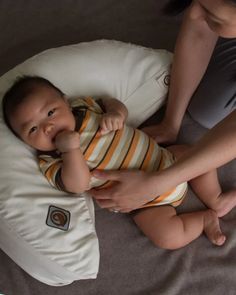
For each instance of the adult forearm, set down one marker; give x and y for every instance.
(193, 50)
(215, 149)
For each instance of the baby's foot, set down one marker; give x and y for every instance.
(225, 203)
(212, 228)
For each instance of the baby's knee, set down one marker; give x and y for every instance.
(218, 208)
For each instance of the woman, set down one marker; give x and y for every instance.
(203, 23)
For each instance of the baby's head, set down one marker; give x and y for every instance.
(36, 111)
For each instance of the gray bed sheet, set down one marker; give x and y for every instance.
(130, 264)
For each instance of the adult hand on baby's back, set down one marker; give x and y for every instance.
(67, 140)
(162, 133)
(129, 189)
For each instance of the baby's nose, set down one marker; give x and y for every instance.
(48, 128)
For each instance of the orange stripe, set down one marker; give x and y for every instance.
(111, 150)
(42, 162)
(163, 196)
(148, 156)
(89, 101)
(158, 199)
(52, 170)
(92, 145)
(130, 154)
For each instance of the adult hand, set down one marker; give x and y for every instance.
(162, 133)
(130, 190)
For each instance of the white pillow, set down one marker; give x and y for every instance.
(54, 254)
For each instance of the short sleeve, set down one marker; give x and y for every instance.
(88, 103)
(51, 169)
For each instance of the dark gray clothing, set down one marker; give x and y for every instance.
(215, 97)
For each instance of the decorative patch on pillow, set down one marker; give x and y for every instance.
(167, 80)
(58, 218)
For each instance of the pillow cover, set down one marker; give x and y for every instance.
(51, 234)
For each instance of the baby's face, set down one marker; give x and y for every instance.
(41, 117)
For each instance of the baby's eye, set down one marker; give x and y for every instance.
(33, 129)
(51, 112)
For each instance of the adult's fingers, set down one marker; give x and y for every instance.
(103, 194)
(106, 204)
(111, 206)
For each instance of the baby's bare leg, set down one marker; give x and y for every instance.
(208, 189)
(170, 231)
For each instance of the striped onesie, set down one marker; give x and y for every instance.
(127, 148)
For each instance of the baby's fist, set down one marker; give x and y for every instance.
(67, 140)
(111, 121)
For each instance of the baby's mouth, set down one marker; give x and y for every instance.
(54, 136)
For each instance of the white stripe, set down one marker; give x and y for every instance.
(141, 149)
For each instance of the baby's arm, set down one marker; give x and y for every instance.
(75, 173)
(115, 115)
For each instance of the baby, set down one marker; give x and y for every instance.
(74, 137)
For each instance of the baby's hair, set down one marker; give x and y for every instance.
(19, 91)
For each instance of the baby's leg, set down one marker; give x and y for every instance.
(208, 189)
(170, 231)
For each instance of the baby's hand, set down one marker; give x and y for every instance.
(111, 121)
(67, 140)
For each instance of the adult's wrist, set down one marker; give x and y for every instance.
(172, 123)
(163, 181)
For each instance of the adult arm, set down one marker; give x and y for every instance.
(132, 189)
(193, 50)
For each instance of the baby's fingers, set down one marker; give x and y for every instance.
(104, 127)
(120, 124)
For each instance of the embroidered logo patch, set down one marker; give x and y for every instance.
(58, 218)
(167, 80)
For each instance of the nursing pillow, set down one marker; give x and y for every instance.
(49, 233)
